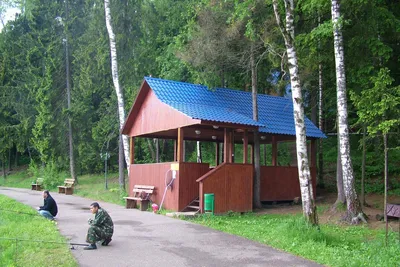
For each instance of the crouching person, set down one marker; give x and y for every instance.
(49, 209)
(101, 228)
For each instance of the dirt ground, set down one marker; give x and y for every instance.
(326, 200)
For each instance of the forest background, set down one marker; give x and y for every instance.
(206, 42)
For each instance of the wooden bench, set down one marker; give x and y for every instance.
(67, 188)
(37, 185)
(142, 194)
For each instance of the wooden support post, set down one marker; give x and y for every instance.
(175, 150)
(180, 149)
(252, 153)
(227, 146)
(232, 150)
(313, 153)
(216, 154)
(245, 147)
(132, 150)
(274, 151)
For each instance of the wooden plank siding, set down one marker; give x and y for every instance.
(184, 189)
(189, 172)
(152, 116)
(154, 174)
(280, 183)
(232, 186)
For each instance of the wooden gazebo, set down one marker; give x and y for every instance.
(183, 111)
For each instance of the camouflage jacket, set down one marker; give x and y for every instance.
(103, 221)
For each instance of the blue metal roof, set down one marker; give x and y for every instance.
(230, 106)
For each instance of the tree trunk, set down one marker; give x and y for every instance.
(115, 76)
(121, 167)
(362, 199)
(16, 158)
(157, 150)
(67, 74)
(341, 198)
(257, 168)
(9, 160)
(152, 152)
(3, 165)
(321, 183)
(353, 204)
(265, 154)
(386, 184)
(199, 157)
(309, 207)
(29, 153)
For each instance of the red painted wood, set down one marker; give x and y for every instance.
(184, 188)
(245, 147)
(180, 146)
(189, 172)
(150, 115)
(231, 185)
(154, 174)
(132, 151)
(274, 151)
(282, 183)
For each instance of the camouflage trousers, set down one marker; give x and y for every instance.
(95, 234)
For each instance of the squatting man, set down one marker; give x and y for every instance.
(49, 209)
(101, 227)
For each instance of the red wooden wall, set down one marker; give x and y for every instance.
(282, 183)
(189, 172)
(184, 188)
(155, 116)
(232, 186)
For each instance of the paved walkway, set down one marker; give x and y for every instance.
(147, 239)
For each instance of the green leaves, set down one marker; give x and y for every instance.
(378, 106)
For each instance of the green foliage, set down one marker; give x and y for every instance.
(50, 173)
(378, 107)
(207, 42)
(30, 227)
(329, 245)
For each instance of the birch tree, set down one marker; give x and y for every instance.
(68, 83)
(114, 70)
(257, 163)
(309, 207)
(354, 211)
(378, 108)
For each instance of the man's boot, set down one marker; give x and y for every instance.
(106, 242)
(90, 247)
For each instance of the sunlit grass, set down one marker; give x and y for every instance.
(90, 186)
(330, 245)
(18, 231)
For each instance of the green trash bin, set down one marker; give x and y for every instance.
(209, 203)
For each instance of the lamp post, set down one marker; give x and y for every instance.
(105, 156)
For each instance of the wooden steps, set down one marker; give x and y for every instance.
(193, 206)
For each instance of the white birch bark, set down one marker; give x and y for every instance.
(114, 70)
(199, 157)
(309, 208)
(257, 163)
(353, 204)
(68, 83)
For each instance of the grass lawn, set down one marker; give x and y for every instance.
(14, 225)
(332, 245)
(89, 186)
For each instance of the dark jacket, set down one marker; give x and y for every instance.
(50, 205)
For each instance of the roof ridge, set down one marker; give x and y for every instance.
(216, 88)
(171, 81)
(248, 92)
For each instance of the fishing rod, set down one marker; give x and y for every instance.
(72, 244)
